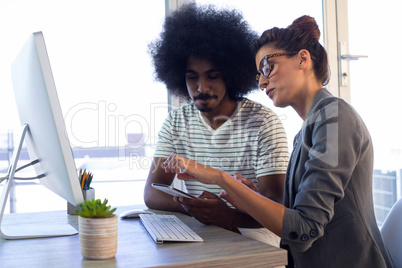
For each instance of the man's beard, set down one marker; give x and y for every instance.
(203, 107)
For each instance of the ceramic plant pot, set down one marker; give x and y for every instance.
(98, 237)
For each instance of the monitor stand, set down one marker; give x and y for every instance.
(32, 230)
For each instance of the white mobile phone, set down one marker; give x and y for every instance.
(171, 190)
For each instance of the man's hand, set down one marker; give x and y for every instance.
(209, 209)
(154, 198)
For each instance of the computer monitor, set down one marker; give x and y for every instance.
(44, 133)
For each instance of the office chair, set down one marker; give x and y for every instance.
(391, 232)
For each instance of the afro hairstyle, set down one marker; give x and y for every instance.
(220, 36)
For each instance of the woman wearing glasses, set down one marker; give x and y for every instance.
(327, 218)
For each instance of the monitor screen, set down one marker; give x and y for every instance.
(38, 106)
(45, 136)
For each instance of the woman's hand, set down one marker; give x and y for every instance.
(244, 181)
(249, 183)
(187, 169)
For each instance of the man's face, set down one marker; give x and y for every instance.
(205, 85)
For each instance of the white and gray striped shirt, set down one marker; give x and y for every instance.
(252, 142)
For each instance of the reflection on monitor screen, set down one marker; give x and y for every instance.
(43, 132)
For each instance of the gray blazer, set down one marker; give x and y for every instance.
(329, 218)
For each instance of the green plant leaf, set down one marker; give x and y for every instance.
(95, 209)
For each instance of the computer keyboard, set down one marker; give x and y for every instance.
(170, 228)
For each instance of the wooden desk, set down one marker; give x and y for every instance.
(136, 248)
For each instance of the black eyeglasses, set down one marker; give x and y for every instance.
(264, 64)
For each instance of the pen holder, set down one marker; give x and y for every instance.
(88, 195)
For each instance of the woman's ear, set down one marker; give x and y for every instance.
(304, 58)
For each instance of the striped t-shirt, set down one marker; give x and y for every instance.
(252, 142)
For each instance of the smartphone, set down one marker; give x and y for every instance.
(171, 190)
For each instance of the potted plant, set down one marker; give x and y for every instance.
(97, 227)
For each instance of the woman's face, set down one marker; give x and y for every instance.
(283, 82)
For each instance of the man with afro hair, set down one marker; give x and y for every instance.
(203, 56)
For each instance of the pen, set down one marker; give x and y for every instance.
(90, 180)
(82, 184)
(87, 181)
(84, 175)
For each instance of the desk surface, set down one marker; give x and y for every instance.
(136, 248)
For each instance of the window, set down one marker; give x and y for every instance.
(112, 106)
(376, 92)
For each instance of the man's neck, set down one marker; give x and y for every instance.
(219, 116)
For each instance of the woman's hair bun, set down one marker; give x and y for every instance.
(306, 24)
